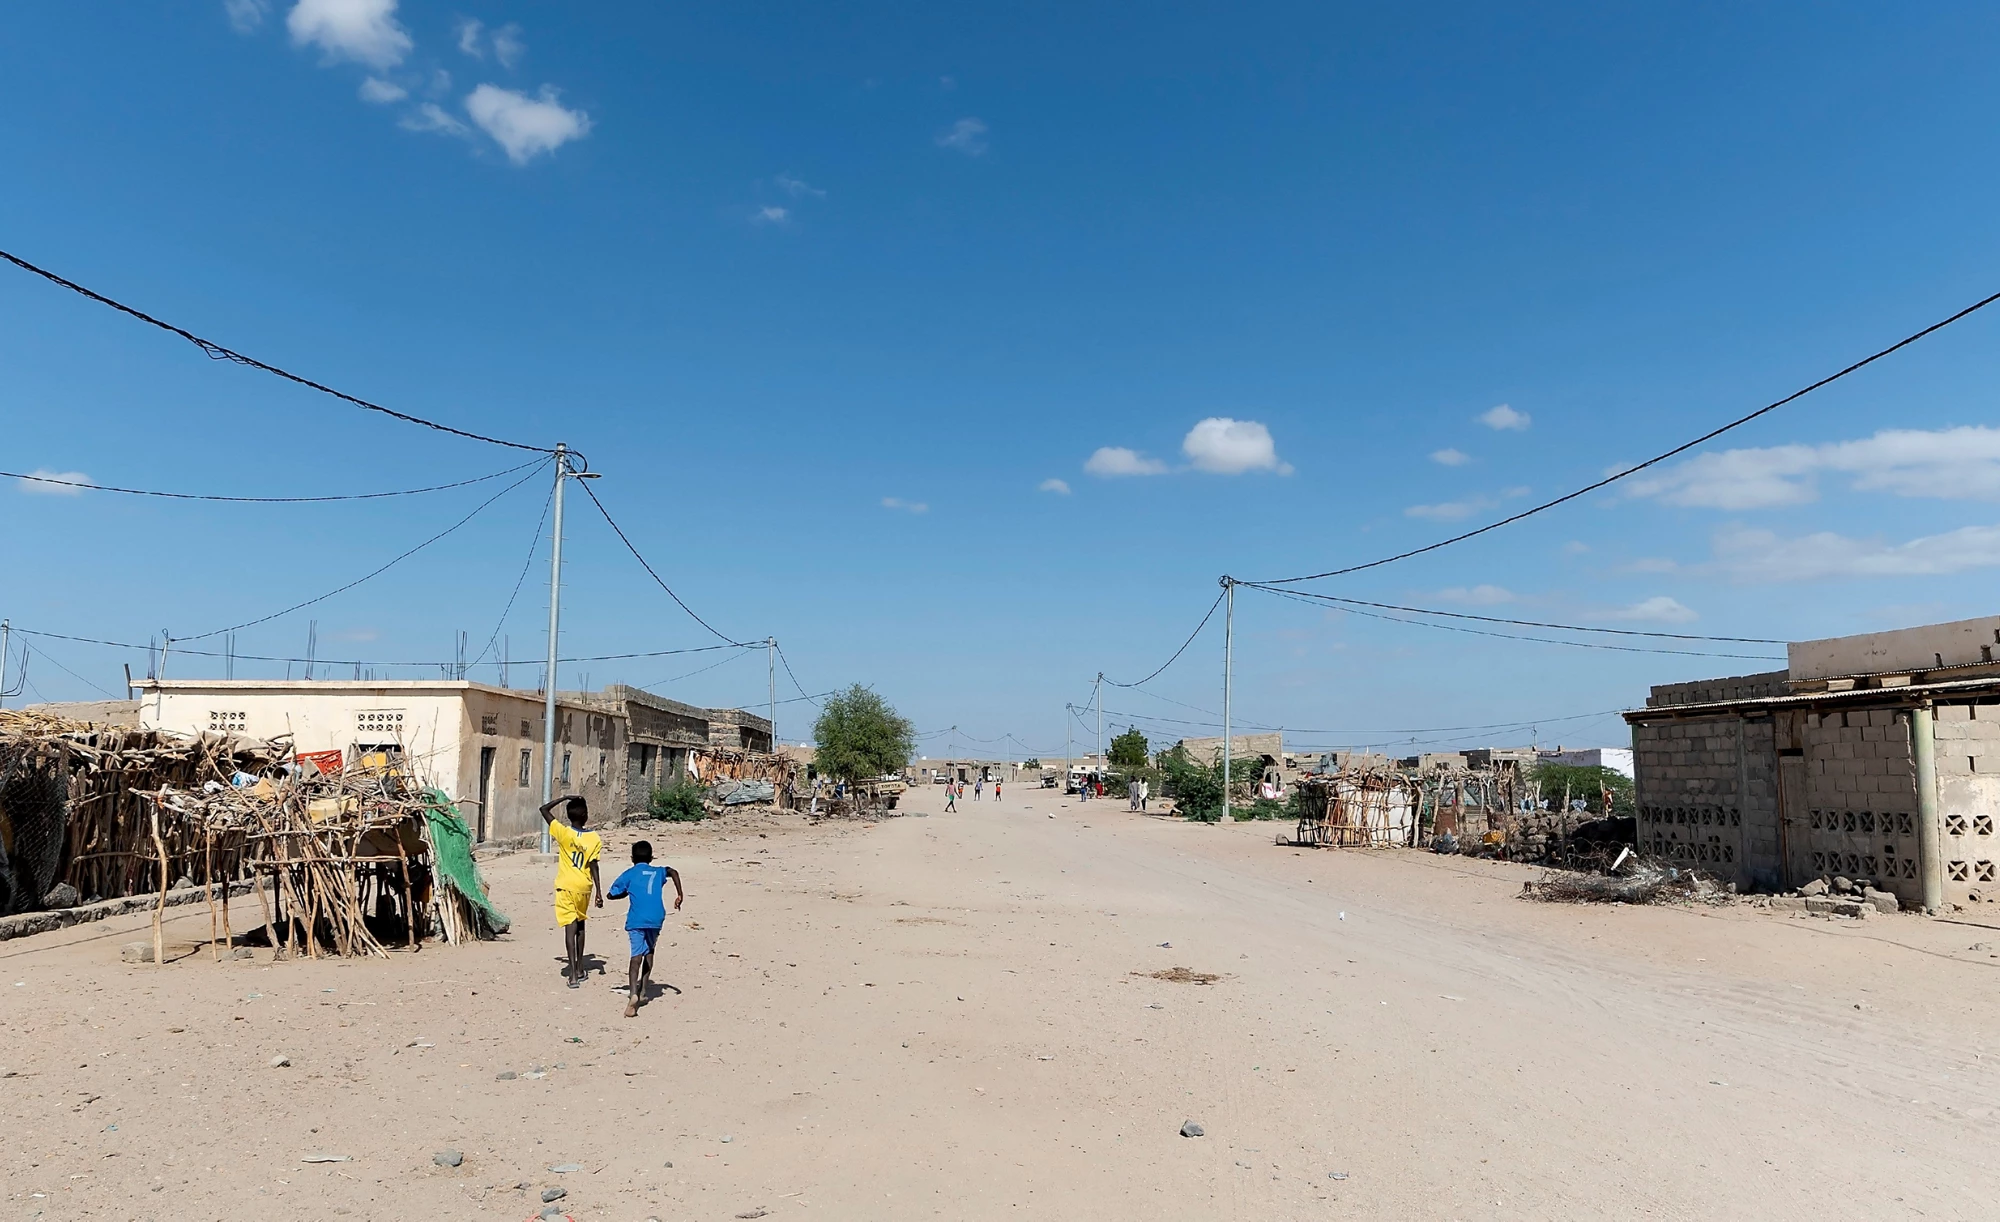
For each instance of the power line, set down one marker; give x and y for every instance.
(1653, 461)
(534, 546)
(265, 500)
(1524, 623)
(217, 352)
(1178, 652)
(258, 657)
(794, 678)
(49, 657)
(1542, 640)
(1497, 725)
(649, 568)
(742, 652)
(377, 573)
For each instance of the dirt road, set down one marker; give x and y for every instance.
(956, 1016)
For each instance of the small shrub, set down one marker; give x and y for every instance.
(677, 803)
(1262, 808)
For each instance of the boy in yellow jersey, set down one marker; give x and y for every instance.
(576, 877)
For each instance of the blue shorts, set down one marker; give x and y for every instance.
(643, 941)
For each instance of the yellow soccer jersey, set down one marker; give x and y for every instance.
(574, 852)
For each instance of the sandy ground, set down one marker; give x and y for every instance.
(953, 1016)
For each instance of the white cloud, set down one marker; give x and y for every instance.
(770, 215)
(891, 502)
(1117, 460)
(795, 187)
(1504, 417)
(1947, 464)
(1450, 511)
(430, 117)
(522, 125)
(1478, 596)
(1575, 547)
(33, 487)
(246, 16)
(1450, 458)
(1658, 609)
(505, 42)
(1060, 487)
(1231, 447)
(1762, 556)
(968, 136)
(375, 89)
(508, 47)
(365, 31)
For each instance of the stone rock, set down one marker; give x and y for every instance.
(1816, 887)
(505, 1075)
(242, 952)
(1883, 901)
(1842, 885)
(553, 1194)
(136, 952)
(62, 895)
(279, 1062)
(727, 1138)
(1190, 1129)
(566, 1168)
(1829, 906)
(448, 1158)
(670, 1165)
(1788, 903)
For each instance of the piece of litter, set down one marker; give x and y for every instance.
(566, 1168)
(1449, 997)
(1167, 945)
(1343, 916)
(1336, 1175)
(326, 1158)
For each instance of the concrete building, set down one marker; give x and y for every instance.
(1873, 757)
(1618, 759)
(481, 744)
(1270, 747)
(926, 771)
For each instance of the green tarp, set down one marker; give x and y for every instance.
(451, 857)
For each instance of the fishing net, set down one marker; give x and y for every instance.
(451, 857)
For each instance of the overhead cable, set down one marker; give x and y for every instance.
(794, 678)
(1542, 640)
(657, 580)
(1178, 652)
(1683, 448)
(534, 546)
(1497, 725)
(217, 352)
(258, 657)
(1524, 623)
(376, 573)
(264, 500)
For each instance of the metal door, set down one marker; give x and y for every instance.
(486, 755)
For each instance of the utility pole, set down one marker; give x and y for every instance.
(6, 632)
(771, 668)
(564, 473)
(1098, 700)
(1069, 737)
(1228, 660)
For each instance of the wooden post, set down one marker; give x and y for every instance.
(160, 905)
(208, 881)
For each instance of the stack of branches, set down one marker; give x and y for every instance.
(343, 860)
(711, 765)
(1356, 807)
(73, 805)
(1642, 883)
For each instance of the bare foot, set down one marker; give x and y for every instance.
(631, 1009)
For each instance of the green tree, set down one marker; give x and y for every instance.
(1128, 750)
(860, 736)
(1590, 784)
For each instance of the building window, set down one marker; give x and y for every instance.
(525, 757)
(565, 772)
(525, 731)
(489, 723)
(227, 721)
(603, 758)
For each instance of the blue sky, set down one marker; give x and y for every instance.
(893, 334)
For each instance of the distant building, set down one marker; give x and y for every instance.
(1270, 747)
(1618, 759)
(481, 744)
(1871, 757)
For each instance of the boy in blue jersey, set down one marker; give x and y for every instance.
(644, 884)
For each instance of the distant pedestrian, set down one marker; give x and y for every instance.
(996, 793)
(1131, 795)
(951, 797)
(1145, 792)
(979, 789)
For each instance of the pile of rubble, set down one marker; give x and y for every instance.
(1843, 897)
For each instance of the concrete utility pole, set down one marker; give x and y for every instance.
(1069, 743)
(771, 667)
(6, 632)
(1098, 700)
(1228, 660)
(564, 473)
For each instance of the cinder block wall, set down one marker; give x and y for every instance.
(1861, 798)
(1693, 794)
(1968, 770)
